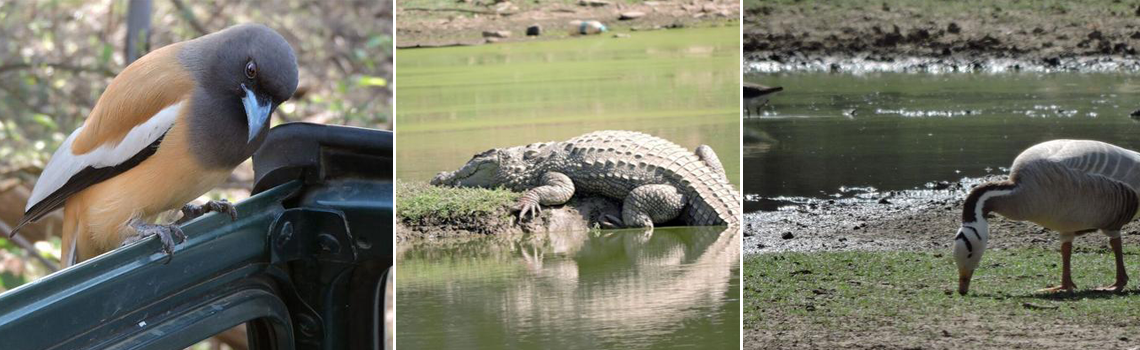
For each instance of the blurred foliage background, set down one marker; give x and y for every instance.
(57, 57)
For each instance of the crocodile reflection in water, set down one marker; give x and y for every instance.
(607, 284)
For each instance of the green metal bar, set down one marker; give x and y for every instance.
(116, 298)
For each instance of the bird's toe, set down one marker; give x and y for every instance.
(224, 206)
(169, 235)
(1058, 289)
(1115, 288)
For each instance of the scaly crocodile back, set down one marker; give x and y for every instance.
(613, 163)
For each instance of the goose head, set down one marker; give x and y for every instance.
(969, 245)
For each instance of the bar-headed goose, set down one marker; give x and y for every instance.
(1069, 186)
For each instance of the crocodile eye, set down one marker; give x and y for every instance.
(250, 69)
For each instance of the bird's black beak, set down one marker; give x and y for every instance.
(257, 111)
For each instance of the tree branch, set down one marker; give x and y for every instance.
(189, 17)
(29, 247)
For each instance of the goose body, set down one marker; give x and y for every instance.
(1069, 186)
(1073, 186)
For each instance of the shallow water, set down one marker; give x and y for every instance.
(672, 288)
(908, 130)
(681, 85)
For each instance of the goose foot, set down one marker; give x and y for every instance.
(1115, 288)
(1069, 288)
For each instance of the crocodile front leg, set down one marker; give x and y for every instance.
(556, 188)
(649, 204)
(706, 154)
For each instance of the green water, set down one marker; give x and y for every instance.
(672, 288)
(677, 84)
(910, 129)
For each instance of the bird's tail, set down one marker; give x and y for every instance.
(24, 221)
(69, 244)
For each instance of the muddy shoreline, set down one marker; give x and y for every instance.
(921, 219)
(465, 23)
(577, 215)
(941, 37)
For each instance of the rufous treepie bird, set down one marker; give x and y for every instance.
(173, 125)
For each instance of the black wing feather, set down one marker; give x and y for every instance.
(82, 180)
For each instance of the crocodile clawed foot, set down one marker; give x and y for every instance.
(610, 222)
(170, 235)
(527, 209)
(191, 212)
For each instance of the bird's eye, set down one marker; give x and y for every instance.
(250, 70)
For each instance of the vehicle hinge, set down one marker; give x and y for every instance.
(310, 233)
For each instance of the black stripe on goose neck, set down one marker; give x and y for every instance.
(969, 209)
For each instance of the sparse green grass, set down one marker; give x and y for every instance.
(940, 8)
(419, 200)
(858, 291)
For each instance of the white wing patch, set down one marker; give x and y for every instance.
(64, 164)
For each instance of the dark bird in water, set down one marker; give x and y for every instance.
(752, 90)
(756, 96)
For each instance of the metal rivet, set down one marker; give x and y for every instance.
(363, 243)
(286, 234)
(329, 243)
(308, 325)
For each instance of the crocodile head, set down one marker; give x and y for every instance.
(483, 170)
(506, 167)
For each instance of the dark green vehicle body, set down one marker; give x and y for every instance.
(304, 266)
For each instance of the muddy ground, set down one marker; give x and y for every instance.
(464, 22)
(576, 215)
(942, 35)
(953, 333)
(914, 220)
(922, 220)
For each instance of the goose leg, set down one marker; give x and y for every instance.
(1067, 284)
(1121, 274)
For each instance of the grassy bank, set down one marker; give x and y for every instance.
(897, 299)
(423, 203)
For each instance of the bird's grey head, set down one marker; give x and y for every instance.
(247, 67)
(507, 167)
(969, 245)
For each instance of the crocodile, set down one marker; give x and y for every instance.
(656, 180)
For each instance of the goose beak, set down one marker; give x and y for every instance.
(256, 112)
(964, 281)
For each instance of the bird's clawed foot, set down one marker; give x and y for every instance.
(170, 235)
(1063, 288)
(191, 211)
(1115, 287)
